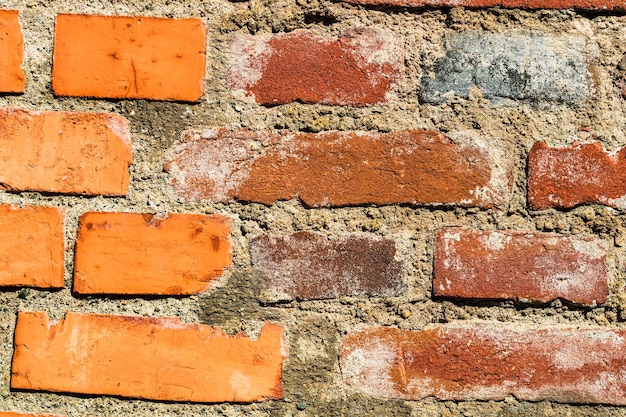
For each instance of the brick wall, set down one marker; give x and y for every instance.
(312, 208)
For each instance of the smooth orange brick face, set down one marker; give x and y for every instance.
(341, 168)
(32, 250)
(577, 174)
(152, 358)
(530, 266)
(518, 4)
(131, 253)
(129, 57)
(12, 79)
(16, 414)
(357, 69)
(571, 365)
(61, 152)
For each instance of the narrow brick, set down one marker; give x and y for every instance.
(12, 79)
(356, 69)
(565, 177)
(514, 4)
(32, 250)
(129, 57)
(307, 265)
(131, 253)
(521, 265)
(16, 414)
(527, 66)
(150, 358)
(60, 152)
(569, 365)
(341, 168)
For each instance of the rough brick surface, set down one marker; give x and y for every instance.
(12, 79)
(307, 265)
(16, 414)
(577, 174)
(129, 57)
(130, 253)
(61, 152)
(517, 65)
(356, 69)
(32, 250)
(348, 168)
(528, 266)
(578, 365)
(517, 4)
(152, 358)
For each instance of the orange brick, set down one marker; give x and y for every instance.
(12, 79)
(140, 357)
(131, 253)
(129, 57)
(32, 250)
(60, 152)
(16, 414)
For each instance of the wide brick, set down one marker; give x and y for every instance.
(16, 414)
(570, 365)
(517, 4)
(522, 265)
(12, 79)
(32, 248)
(565, 177)
(131, 253)
(307, 265)
(517, 65)
(356, 69)
(60, 152)
(151, 358)
(129, 57)
(342, 168)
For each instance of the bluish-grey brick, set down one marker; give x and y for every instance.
(521, 65)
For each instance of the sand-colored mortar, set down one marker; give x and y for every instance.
(312, 382)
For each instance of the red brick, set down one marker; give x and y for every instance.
(12, 79)
(523, 265)
(517, 4)
(341, 168)
(306, 265)
(129, 57)
(356, 69)
(59, 152)
(570, 365)
(131, 253)
(32, 250)
(577, 174)
(151, 358)
(16, 414)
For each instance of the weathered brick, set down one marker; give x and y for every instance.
(524, 265)
(341, 168)
(356, 69)
(12, 79)
(32, 250)
(307, 265)
(61, 152)
(131, 253)
(151, 358)
(565, 177)
(517, 4)
(516, 65)
(16, 414)
(577, 365)
(129, 57)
